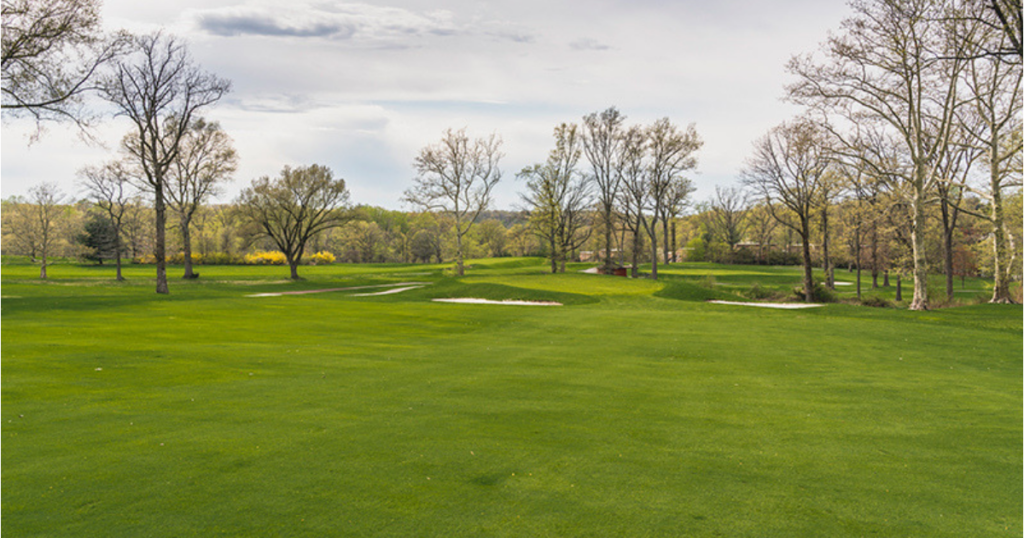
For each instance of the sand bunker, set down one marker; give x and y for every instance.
(469, 300)
(785, 306)
(304, 292)
(387, 292)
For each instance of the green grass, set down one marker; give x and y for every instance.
(635, 410)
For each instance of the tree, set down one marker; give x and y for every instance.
(671, 152)
(109, 188)
(99, 238)
(52, 51)
(559, 197)
(993, 122)
(206, 159)
(294, 207)
(728, 212)
(635, 194)
(456, 176)
(786, 173)
(39, 223)
(896, 65)
(602, 141)
(160, 89)
(676, 201)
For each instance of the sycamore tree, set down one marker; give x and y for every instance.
(294, 207)
(455, 177)
(895, 63)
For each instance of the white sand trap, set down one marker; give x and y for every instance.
(387, 292)
(592, 271)
(306, 292)
(469, 300)
(843, 283)
(785, 306)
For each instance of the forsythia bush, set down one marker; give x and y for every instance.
(266, 258)
(322, 258)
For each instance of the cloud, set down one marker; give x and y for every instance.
(231, 24)
(587, 43)
(361, 23)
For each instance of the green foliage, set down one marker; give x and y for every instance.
(696, 250)
(820, 293)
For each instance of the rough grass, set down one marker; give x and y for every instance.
(635, 410)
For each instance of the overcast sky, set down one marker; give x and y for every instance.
(361, 87)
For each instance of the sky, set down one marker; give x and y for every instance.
(362, 87)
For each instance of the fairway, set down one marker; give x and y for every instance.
(635, 409)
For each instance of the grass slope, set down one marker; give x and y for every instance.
(635, 410)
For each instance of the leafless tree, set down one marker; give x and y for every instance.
(296, 206)
(206, 159)
(671, 153)
(160, 89)
(634, 196)
(456, 177)
(785, 173)
(992, 120)
(678, 199)
(728, 211)
(110, 188)
(559, 197)
(52, 51)
(38, 222)
(602, 140)
(896, 64)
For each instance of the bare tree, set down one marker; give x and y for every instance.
(456, 177)
(602, 139)
(896, 64)
(786, 173)
(296, 206)
(160, 89)
(634, 197)
(109, 187)
(993, 122)
(671, 152)
(559, 197)
(677, 200)
(38, 222)
(52, 51)
(206, 159)
(728, 214)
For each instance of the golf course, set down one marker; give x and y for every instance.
(632, 407)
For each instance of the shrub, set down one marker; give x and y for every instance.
(708, 282)
(757, 291)
(322, 258)
(260, 257)
(875, 301)
(819, 294)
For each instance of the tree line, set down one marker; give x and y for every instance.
(911, 128)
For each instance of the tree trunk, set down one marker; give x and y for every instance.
(160, 246)
(920, 300)
(874, 256)
(948, 226)
(117, 253)
(830, 278)
(664, 233)
(554, 256)
(186, 243)
(637, 246)
(654, 249)
(607, 237)
(885, 279)
(805, 236)
(856, 238)
(899, 287)
(675, 246)
(42, 268)
(294, 266)
(459, 268)
(1001, 284)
